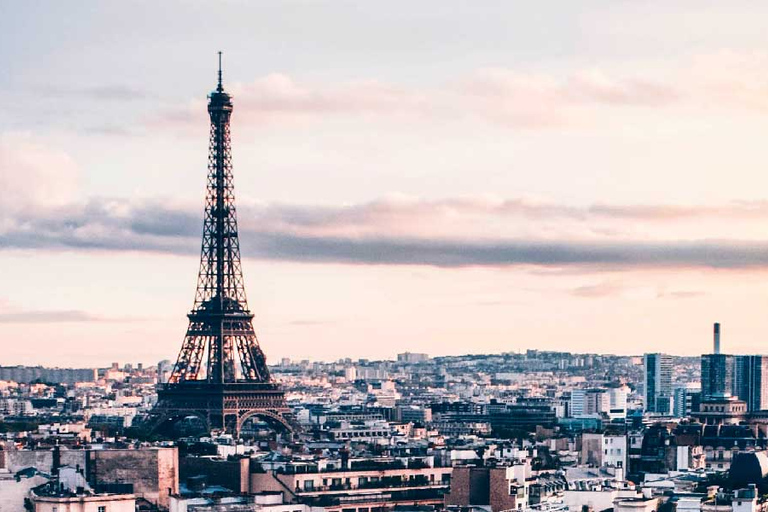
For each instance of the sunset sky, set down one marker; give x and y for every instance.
(437, 176)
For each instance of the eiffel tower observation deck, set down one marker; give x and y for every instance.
(221, 374)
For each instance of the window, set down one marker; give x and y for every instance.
(309, 485)
(102, 508)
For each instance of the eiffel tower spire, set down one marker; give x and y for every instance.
(220, 345)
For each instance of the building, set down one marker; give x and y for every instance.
(724, 410)
(717, 371)
(414, 414)
(658, 383)
(153, 473)
(501, 488)
(687, 400)
(82, 501)
(219, 501)
(411, 358)
(373, 431)
(51, 375)
(591, 402)
(380, 485)
(750, 381)
(617, 400)
(716, 375)
(604, 451)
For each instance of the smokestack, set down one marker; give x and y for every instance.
(717, 338)
(56, 460)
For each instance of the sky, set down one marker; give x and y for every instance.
(439, 176)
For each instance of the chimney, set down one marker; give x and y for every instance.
(56, 460)
(717, 338)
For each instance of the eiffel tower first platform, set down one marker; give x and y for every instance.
(221, 374)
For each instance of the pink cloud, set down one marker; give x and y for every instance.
(34, 174)
(502, 96)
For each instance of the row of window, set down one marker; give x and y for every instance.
(348, 435)
(309, 485)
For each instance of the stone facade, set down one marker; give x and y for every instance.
(469, 486)
(154, 472)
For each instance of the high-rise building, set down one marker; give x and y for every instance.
(716, 371)
(658, 383)
(716, 375)
(750, 381)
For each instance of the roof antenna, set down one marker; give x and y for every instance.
(220, 88)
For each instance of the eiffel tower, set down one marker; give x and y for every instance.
(221, 373)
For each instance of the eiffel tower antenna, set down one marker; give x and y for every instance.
(220, 88)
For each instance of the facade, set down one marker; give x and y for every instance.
(355, 490)
(727, 410)
(414, 414)
(375, 431)
(658, 383)
(716, 375)
(617, 399)
(153, 473)
(687, 400)
(750, 381)
(604, 450)
(501, 488)
(590, 402)
(84, 503)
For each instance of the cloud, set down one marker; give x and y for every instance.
(33, 174)
(731, 79)
(309, 323)
(509, 97)
(446, 233)
(38, 317)
(603, 289)
(110, 92)
(463, 253)
(496, 95)
(680, 294)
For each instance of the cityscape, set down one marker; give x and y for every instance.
(227, 419)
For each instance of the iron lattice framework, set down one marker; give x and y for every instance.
(220, 324)
(221, 374)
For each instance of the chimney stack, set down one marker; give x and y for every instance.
(717, 338)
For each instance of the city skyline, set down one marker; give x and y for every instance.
(526, 194)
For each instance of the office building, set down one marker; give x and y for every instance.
(658, 383)
(750, 381)
(717, 371)
(687, 400)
